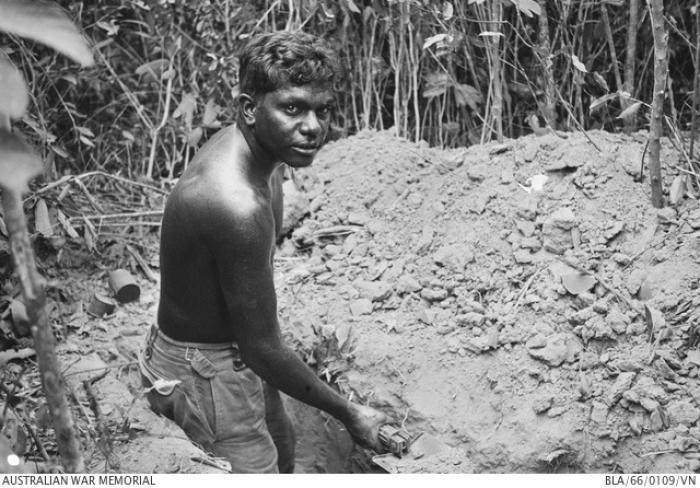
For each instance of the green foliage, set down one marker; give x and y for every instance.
(43, 22)
(46, 23)
(166, 72)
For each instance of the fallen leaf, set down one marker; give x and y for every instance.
(12, 428)
(42, 221)
(11, 354)
(655, 320)
(89, 234)
(65, 223)
(577, 283)
(645, 291)
(343, 333)
(677, 191)
(125, 349)
(216, 462)
(551, 457)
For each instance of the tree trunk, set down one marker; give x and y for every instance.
(44, 343)
(550, 97)
(494, 116)
(611, 46)
(497, 107)
(657, 106)
(696, 81)
(630, 62)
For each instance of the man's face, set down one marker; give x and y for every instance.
(292, 121)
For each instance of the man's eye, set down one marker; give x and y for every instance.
(324, 111)
(292, 109)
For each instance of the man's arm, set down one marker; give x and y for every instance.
(241, 241)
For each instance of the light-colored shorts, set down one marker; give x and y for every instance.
(220, 403)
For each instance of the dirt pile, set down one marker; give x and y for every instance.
(533, 329)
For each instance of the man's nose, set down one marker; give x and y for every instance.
(310, 125)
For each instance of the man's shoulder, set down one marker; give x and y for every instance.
(221, 211)
(221, 140)
(215, 196)
(239, 202)
(212, 185)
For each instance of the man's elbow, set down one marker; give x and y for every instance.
(262, 355)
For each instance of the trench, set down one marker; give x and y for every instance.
(323, 445)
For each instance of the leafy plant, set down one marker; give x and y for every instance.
(451, 73)
(45, 23)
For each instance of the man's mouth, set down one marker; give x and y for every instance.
(305, 148)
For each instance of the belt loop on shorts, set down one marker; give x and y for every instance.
(188, 353)
(152, 334)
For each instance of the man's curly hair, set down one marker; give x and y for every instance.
(272, 60)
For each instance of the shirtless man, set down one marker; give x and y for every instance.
(218, 334)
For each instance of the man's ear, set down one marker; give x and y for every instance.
(248, 106)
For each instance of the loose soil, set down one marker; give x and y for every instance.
(530, 330)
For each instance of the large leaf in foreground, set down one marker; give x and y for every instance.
(45, 22)
(18, 162)
(13, 95)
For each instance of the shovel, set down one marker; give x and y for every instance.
(411, 454)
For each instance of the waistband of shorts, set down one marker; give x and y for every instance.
(159, 335)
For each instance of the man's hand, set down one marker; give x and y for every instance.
(363, 425)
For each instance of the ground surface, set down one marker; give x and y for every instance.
(441, 287)
(456, 299)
